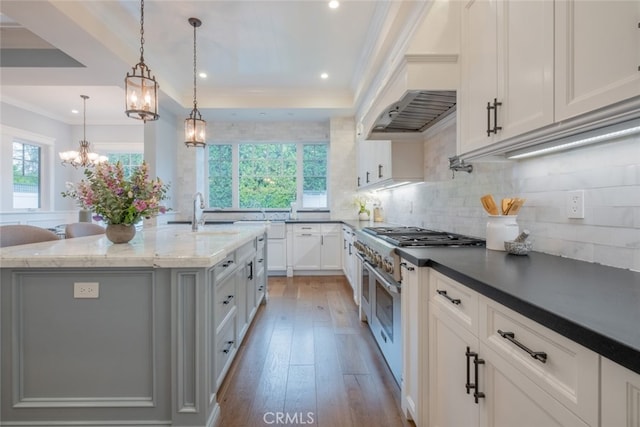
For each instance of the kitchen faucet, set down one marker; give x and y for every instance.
(195, 222)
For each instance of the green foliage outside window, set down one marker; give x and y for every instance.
(129, 161)
(220, 176)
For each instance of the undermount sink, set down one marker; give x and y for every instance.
(276, 228)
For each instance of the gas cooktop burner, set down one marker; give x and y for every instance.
(421, 237)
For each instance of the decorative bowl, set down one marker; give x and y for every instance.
(517, 248)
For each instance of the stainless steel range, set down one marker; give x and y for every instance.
(382, 280)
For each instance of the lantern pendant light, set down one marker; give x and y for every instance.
(83, 158)
(141, 89)
(195, 129)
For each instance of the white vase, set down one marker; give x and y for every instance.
(501, 228)
(363, 216)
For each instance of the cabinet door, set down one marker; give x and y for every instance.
(449, 403)
(306, 251)
(241, 302)
(346, 240)
(620, 391)
(381, 165)
(511, 399)
(331, 251)
(597, 54)
(525, 66)
(413, 336)
(479, 71)
(277, 254)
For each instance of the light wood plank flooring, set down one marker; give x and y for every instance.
(309, 358)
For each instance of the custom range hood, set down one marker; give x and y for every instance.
(415, 112)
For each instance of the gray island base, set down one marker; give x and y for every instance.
(137, 334)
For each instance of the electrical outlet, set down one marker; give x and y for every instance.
(86, 289)
(575, 204)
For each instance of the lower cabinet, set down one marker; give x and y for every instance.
(620, 395)
(490, 366)
(317, 246)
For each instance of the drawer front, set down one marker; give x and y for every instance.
(260, 241)
(331, 228)
(224, 267)
(226, 347)
(565, 369)
(225, 300)
(306, 228)
(455, 299)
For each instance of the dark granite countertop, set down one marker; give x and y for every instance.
(595, 305)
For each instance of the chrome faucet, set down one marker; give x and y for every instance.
(194, 221)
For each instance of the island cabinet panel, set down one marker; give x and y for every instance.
(93, 358)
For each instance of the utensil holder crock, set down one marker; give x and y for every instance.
(501, 228)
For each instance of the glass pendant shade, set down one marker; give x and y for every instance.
(141, 89)
(141, 94)
(195, 130)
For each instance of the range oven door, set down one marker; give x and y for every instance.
(385, 319)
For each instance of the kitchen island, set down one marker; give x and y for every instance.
(141, 333)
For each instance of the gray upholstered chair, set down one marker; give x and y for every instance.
(79, 229)
(20, 234)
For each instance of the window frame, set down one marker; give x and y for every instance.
(47, 170)
(235, 179)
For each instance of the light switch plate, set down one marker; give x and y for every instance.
(86, 289)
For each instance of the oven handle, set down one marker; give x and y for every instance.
(392, 288)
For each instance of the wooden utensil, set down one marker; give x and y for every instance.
(506, 204)
(489, 204)
(515, 206)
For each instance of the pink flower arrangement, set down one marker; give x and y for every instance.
(115, 199)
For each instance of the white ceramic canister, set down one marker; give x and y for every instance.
(501, 228)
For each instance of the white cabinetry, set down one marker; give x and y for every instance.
(507, 70)
(277, 247)
(620, 395)
(384, 163)
(414, 330)
(348, 255)
(597, 54)
(482, 371)
(317, 246)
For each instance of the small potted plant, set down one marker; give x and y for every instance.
(361, 202)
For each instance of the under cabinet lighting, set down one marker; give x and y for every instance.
(606, 133)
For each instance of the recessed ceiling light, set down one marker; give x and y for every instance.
(324, 76)
(75, 111)
(334, 4)
(202, 75)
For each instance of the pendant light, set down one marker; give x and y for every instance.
(141, 90)
(195, 129)
(83, 158)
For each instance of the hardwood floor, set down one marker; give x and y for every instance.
(308, 360)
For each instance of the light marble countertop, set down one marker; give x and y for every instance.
(168, 246)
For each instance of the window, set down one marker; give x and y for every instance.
(268, 175)
(26, 175)
(129, 161)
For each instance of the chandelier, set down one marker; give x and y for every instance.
(195, 129)
(84, 157)
(141, 90)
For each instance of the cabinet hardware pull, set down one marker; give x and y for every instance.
(250, 277)
(379, 171)
(488, 119)
(496, 128)
(261, 260)
(510, 336)
(261, 239)
(350, 245)
(384, 337)
(228, 349)
(477, 394)
(367, 177)
(228, 300)
(404, 264)
(358, 181)
(344, 245)
(228, 263)
(455, 301)
(468, 384)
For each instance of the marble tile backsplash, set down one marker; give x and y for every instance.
(608, 173)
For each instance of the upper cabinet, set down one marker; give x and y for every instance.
(597, 54)
(387, 163)
(507, 70)
(532, 69)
